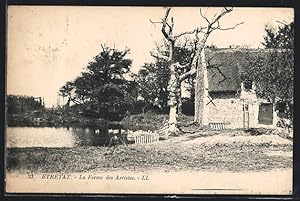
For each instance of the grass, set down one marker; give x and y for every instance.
(177, 153)
(146, 121)
(186, 152)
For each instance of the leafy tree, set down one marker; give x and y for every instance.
(21, 104)
(102, 90)
(153, 84)
(153, 78)
(68, 91)
(272, 69)
(282, 37)
(273, 74)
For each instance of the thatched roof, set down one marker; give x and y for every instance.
(225, 66)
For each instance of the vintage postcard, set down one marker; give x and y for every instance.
(149, 100)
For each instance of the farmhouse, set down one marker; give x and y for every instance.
(230, 102)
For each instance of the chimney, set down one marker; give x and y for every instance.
(242, 86)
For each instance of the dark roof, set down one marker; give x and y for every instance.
(229, 61)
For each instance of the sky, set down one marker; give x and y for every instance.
(50, 45)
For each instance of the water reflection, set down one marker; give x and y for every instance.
(54, 137)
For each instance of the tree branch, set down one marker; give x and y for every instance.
(217, 67)
(123, 53)
(184, 33)
(157, 56)
(224, 29)
(164, 24)
(208, 61)
(284, 23)
(216, 19)
(204, 16)
(182, 66)
(153, 22)
(187, 74)
(103, 47)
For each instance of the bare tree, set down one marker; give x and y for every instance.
(198, 65)
(174, 67)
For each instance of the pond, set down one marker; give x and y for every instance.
(54, 137)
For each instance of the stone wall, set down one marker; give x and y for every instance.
(225, 108)
(228, 108)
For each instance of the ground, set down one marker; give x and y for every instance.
(214, 151)
(196, 162)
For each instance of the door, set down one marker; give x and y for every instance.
(265, 115)
(245, 116)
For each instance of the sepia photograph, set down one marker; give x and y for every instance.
(110, 100)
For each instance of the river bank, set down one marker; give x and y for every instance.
(145, 121)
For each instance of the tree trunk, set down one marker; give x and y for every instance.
(201, 92)
(173, 119)
(201, 88)
(174, 92)
(198, 95)
(67, 106)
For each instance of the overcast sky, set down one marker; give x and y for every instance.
(49, 45)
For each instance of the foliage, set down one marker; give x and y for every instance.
(66, 91)
(146, 121)
(273, 69)
(153, 78)
(102, 90)
(21, 104)
(188, 106)
(152, 82)
(283, 37)
(273, 74)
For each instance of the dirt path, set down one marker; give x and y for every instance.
(276, 182)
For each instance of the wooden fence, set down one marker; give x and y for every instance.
(217, 126)
(146, 138)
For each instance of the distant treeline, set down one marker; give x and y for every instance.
(23, 104)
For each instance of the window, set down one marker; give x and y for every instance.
(281, 108)
(265, 114)
(248, 84)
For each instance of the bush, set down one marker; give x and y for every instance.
(188, 106)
